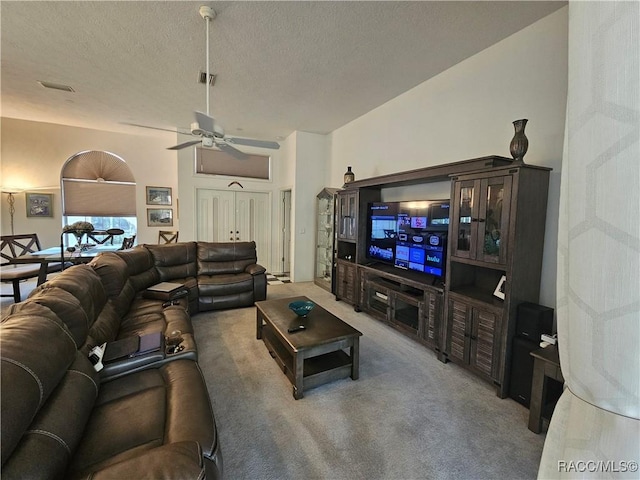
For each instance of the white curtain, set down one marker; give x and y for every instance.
(595, 429)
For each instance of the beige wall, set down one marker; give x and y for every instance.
(33, 154)
(466, 112)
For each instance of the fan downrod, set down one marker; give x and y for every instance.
(207, 12)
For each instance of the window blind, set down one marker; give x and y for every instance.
(216, 162)
(97, 183)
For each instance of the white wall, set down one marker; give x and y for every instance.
(310, 178)
(466, 112)
(33, 154)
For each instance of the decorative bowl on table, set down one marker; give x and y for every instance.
(302, 307)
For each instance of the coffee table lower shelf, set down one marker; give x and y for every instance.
(317, 370)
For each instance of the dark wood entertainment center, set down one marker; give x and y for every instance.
(497, 223)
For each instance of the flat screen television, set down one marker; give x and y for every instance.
(409, 235)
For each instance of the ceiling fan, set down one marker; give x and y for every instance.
(211, 133)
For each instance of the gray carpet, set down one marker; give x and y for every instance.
(408, 416)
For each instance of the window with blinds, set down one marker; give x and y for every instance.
(97, 183)
(216, 162)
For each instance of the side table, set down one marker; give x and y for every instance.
(546, 365)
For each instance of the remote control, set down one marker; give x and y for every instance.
(296, 329)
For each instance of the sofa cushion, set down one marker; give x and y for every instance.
(174, 261)
(140, 267)
(63, 304)
(82, 282)
(225, 257)
(36, 353)
(142, 411)
(165, 320)
(225, 284)
(46, 448)
(114, 273)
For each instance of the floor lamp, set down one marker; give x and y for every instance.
(11, 200)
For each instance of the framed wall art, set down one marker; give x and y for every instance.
(499, 291)
(39, 204)
(160, 217)
(159, 196)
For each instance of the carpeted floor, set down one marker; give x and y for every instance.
(408, 416)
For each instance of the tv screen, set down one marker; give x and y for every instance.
(409, 235)
(382, 232)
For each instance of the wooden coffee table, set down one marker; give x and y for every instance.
(312, 356)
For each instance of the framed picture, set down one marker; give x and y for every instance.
(160, 217)
(159, 196)
(499, 291)
(39, 204)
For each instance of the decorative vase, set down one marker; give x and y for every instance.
(519, 143)
(349, 176)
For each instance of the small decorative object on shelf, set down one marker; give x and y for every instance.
(79, 229)
(349, 176)
(302, 307)
(519, 142)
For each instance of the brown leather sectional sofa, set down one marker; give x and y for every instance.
(148, 416)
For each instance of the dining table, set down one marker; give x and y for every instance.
(56, 254)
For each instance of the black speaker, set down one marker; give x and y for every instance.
(522, 370)
(533, 320)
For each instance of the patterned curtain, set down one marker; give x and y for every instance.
(595, 429)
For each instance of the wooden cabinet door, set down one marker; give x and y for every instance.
(432, 319)
(346, 281)
(458, 325)
(482, 335)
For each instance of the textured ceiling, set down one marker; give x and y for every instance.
(281, 66)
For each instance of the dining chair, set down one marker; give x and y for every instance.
(127, 242)
(168, 236)
(10, 272)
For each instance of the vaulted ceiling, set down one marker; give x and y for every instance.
(280, 66)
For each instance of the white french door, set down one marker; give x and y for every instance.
(225, 216)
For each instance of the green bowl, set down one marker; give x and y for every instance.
(302, 307)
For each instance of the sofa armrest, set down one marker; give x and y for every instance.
(181, 460)
(255, 269)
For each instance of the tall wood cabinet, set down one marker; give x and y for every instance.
(497, 230)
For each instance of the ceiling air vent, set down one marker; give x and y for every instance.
(202, 78)
(56, 86)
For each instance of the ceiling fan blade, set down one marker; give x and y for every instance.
(182, 131)
(184, 145)
(250, 142)
(231, 150)
(205, 122)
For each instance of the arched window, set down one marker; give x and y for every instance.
(98, 187)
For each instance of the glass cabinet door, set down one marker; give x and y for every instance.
(494, 219)
(465, 212)
(347, 216)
